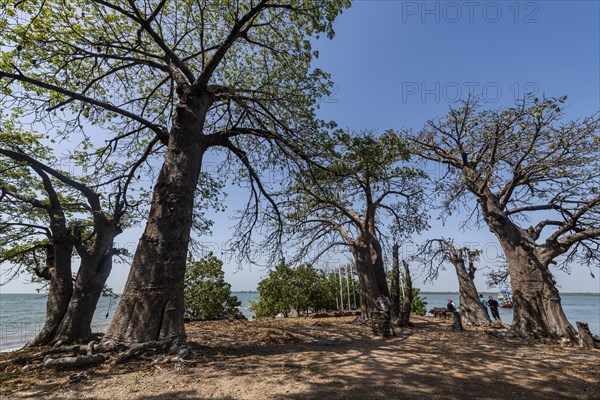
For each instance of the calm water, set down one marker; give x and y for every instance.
(22, 315)
(578, 307)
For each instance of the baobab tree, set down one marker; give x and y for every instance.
(434, 254)
(194, 75)
(52, 224)
(360, 178)
(533, 179)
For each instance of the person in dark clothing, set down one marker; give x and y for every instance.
(493, 305)
(482, 299)
(450, 306)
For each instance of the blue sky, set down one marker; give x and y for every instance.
(397, 64)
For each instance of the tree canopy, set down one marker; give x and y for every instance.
(541, 172)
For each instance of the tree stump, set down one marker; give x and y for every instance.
(586, 339)
(380, 324)
(456, 324)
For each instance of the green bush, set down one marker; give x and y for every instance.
(207, 295)
(302, 289)
(419, 304)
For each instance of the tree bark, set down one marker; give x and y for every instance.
(61, 286)
(93, 273)
(456, 321)
(395, 286)
(407, 297)
(369, 290)
(152, 305)
(537, 311)
(471, 308)
(369, 265)
(378, 266)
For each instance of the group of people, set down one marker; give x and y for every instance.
(491, 303)
(383, 302)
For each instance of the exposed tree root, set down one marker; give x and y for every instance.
(74, 362)
(138, 349)
(586, 339)
(94, 353)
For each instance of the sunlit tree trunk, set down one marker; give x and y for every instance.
(58, 266)
(152, 305)
(537, 310)
(395, 284)
(407, 296)
(472, 310)
(93, 272)
(371, 274)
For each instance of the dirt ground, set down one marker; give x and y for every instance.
(330, 358)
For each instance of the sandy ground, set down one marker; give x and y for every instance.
(330, 358)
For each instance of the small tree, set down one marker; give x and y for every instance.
(305, 293)
(275, 293)
(46, 213)
(419, 304)
(301, 289)
(207, 295)
(439, 251)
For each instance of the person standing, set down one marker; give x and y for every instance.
(484, 302)
(493, 304)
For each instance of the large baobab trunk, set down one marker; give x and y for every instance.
(378, 266)
(93, 273)
(368, 284)
(395, 285)
(152, 306)
(58, 265)
(472, 310)
(407, 296)
(367, 264)
(537, 310)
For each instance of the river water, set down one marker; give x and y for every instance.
(22, 315)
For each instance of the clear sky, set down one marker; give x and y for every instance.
(397, 64)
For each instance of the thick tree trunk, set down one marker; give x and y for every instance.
(537, 311)
(93, 273)
(378, 266)
(395, 286)
(152, 305)
(407, 297)
(369, 266)
(368, 287)
(61, 287)
(471, 308)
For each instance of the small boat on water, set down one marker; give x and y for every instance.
(505, 299)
